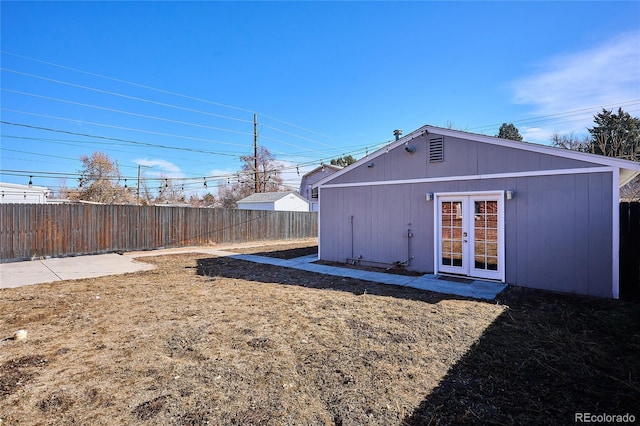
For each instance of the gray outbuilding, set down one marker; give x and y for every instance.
(449, 202)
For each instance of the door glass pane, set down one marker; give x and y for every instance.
(451, 217)
(492, 263)
(485, 234)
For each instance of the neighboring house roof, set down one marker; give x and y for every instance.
(21, 188)
(322, 167)
(268, 197)
(628, 169)
(309, 179)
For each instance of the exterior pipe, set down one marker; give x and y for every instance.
(409, 236)
(352, 238)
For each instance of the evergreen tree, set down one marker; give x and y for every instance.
(343, 161)
(509, 131)
(616, 135)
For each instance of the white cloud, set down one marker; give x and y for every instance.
(536, 134)
(569, 89)
(157, 167)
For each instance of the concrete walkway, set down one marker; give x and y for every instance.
(50, 270)
(477, 289)
(17, 274)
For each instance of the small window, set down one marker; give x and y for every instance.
(436, 149)
(314, 193)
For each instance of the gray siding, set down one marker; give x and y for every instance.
(558, 229)
(461, 158)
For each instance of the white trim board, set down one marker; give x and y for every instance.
(554, 172)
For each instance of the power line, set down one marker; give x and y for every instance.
(123, 128)
(153, 117)
(156, 90)
(549, 117)
(135, 98)
(90, 144)
(128, 82)
(117, 139)
(170, 120)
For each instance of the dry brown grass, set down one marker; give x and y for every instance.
(204, 340)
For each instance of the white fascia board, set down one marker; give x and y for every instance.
(478, 177)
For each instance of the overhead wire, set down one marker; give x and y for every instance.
(135, 98)
(560, 115)
(151, 132)
(120, 139)
(153, 117)
(161, 103)
(91, 144)
(181, 95)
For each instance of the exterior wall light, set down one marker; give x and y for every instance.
(370, 165)
(510, 195)
(429, 196)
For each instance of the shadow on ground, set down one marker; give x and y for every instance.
(287, 253)
(546, 358)
(241, 269)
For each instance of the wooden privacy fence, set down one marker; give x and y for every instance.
(28, 230)
(630, 251)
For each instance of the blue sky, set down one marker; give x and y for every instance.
(325, 79)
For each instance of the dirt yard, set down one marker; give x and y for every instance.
(217, 341)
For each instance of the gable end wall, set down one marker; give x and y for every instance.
(462, 157)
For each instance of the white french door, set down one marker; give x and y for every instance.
(470, 235)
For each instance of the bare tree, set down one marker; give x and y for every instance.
(571, 142)
(100, 181)
(169, 191)
(245, 183)
(268, 173)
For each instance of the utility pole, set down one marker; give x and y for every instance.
(255, 152)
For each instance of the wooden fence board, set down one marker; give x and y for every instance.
(28, 230)
(630, 251)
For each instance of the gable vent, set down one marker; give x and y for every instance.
(436, 149)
